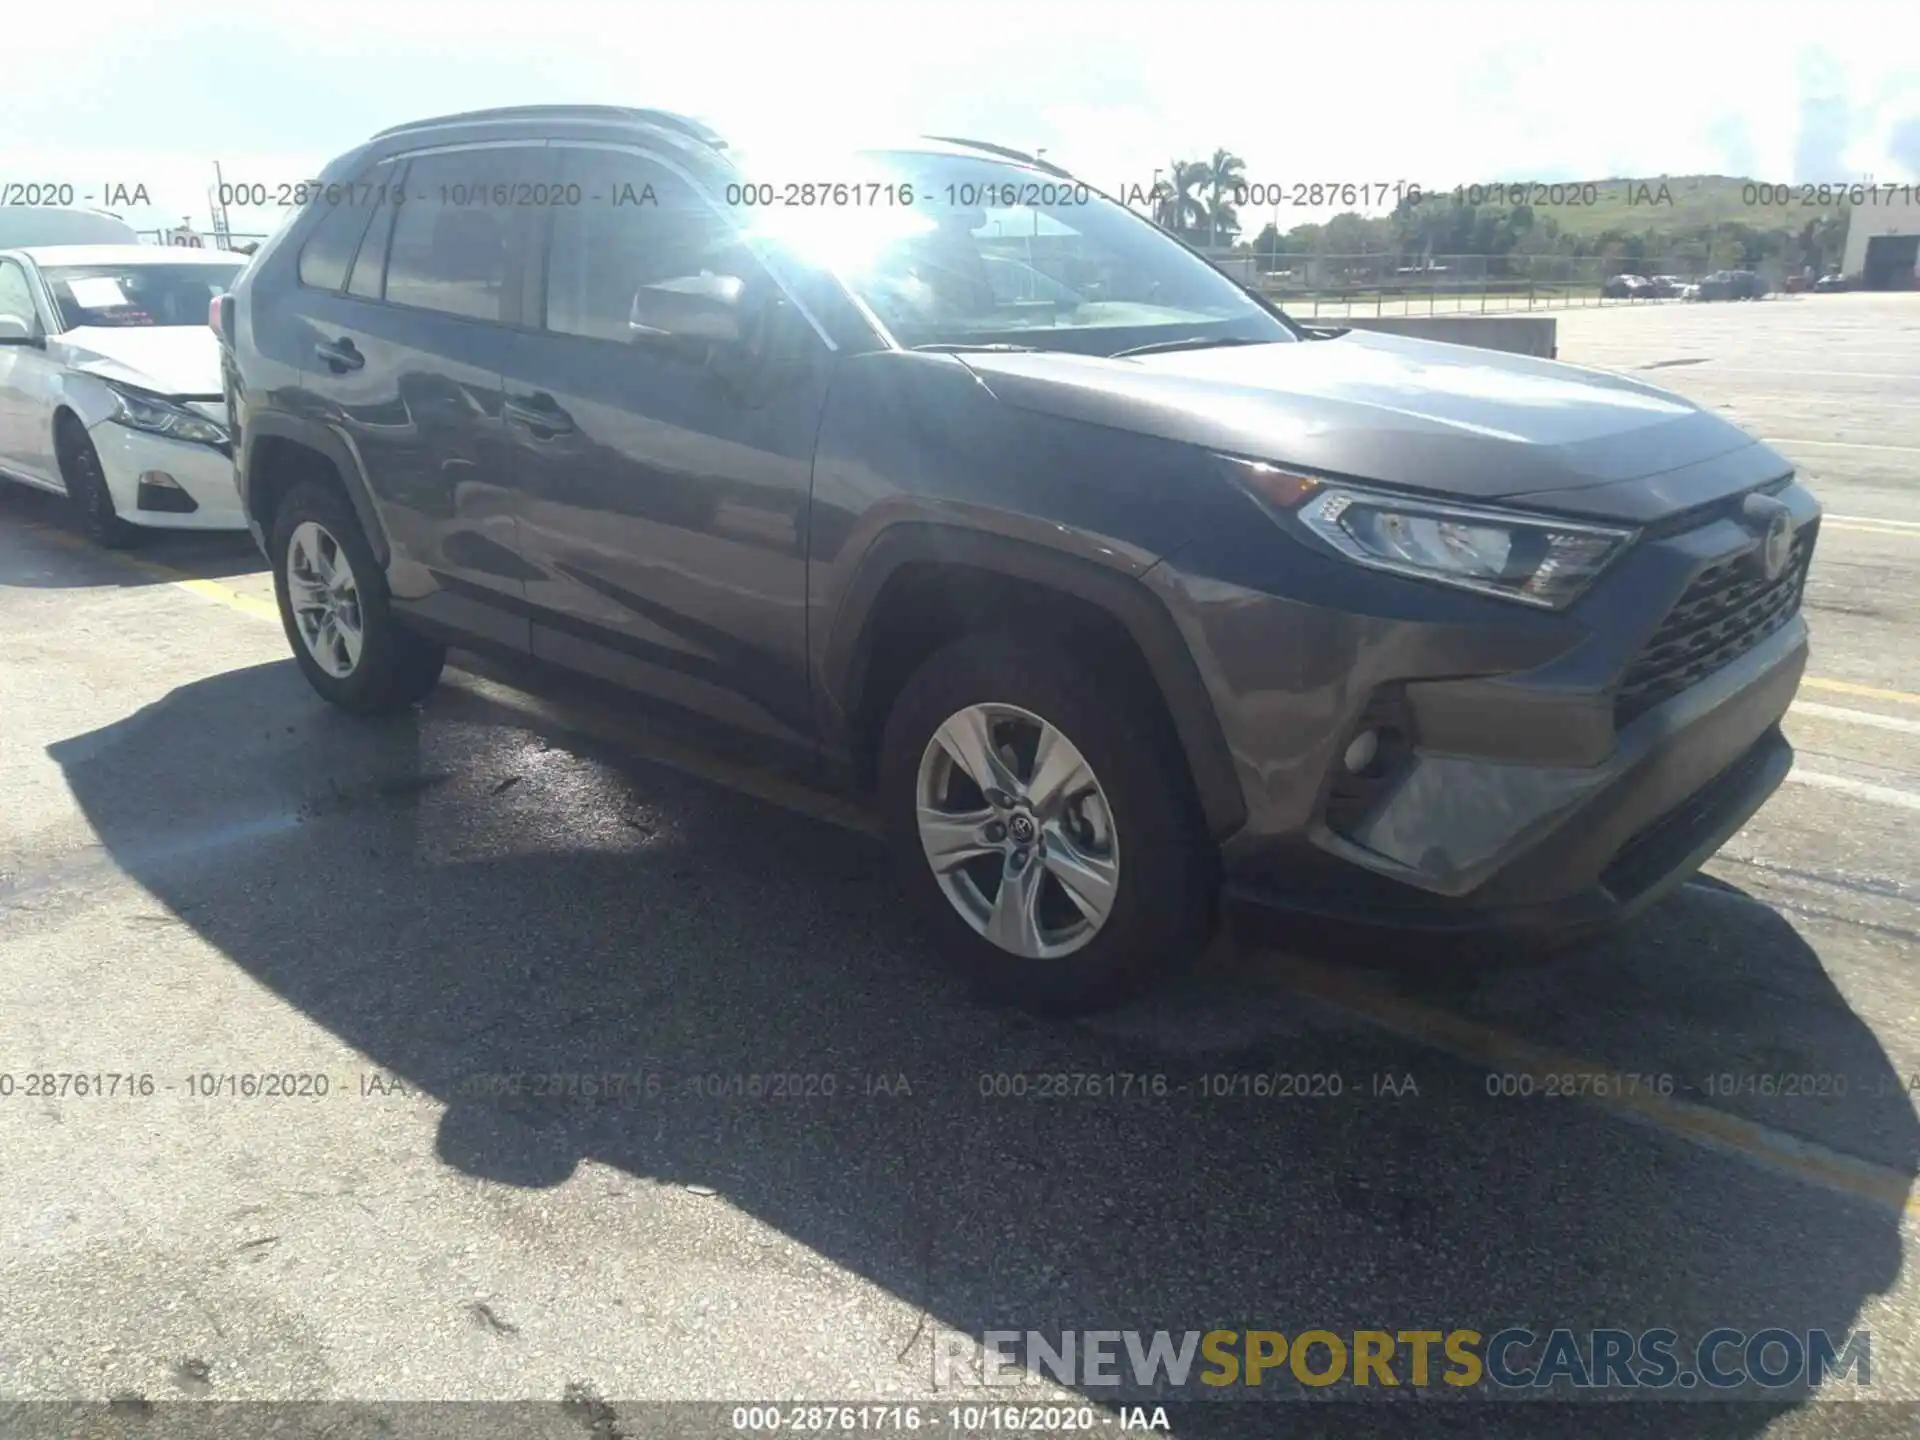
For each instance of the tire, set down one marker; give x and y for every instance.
(391, 667)
(1139, 819)
(87, 494)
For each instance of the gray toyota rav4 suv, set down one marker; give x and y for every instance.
(1113, 587)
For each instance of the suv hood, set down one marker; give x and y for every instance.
(1418, 414)
(166, 359)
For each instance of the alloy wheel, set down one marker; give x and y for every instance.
(325, 598)
(1018, 831)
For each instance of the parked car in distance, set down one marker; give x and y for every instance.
(22, 226)
(1109, 587)
(110, 388)
(1733, 285)
(1627, 287)
(1668, 287)
(1828, 284)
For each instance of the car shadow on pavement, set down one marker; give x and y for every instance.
(526, 902)
(161, 555)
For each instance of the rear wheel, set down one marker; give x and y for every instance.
(352, 647)
(1045, 824)
(90, 501)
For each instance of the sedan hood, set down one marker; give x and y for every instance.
(1450, 419)
(165, 359)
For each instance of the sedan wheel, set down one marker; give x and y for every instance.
(1018, 831)
(326, 599)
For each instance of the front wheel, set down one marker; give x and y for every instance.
(87, 493)
(1045, 824)
(352, 647)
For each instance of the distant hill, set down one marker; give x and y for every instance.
(1695, 220)
(1685, 203)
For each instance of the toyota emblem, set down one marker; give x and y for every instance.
(1774, 521)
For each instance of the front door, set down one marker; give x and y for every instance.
(663, 488)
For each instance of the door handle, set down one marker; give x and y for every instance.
(340, 355)
(539, 413)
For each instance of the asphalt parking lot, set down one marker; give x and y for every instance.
(207, 874)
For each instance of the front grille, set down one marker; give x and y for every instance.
(1728, 609)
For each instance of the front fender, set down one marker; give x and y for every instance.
(841, 670)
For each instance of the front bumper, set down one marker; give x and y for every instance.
(1533, 793)
(203, 479)
(1466, 843)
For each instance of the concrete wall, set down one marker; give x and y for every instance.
(1520, 334)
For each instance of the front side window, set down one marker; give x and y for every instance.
(458, 236)
(958, 250)
(137, 295)
(637, 226)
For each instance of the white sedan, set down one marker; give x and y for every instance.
(110, 389)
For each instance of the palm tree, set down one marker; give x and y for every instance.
(1224, 172)
(1175, 206)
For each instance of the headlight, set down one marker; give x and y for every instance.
(1530, 558)
(162, 417)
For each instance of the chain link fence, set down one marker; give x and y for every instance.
(1487, 284)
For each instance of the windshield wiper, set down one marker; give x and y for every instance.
(1192, 342)
(946, 348)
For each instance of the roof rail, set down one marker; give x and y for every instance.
(1006, 152)
(665, 119)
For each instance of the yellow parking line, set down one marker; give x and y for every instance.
(1499, 1053)
(206, 589)
(232, 599)
(1869, 692)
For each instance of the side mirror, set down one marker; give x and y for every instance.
(16, 331)
(703, 308)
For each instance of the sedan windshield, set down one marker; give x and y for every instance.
(958, 252)
(137, 295)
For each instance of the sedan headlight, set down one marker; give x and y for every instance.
(150, 413)
(1534, 559)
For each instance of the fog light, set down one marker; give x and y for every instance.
(160, 491)
(1364, 750)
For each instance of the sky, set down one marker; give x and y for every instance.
(1440, 93)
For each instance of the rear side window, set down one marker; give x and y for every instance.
(328, 253)
(458, 238)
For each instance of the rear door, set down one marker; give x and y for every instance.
(409, 318)
(663, 488)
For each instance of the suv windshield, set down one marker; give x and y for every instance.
(130, 295)
(948, 250)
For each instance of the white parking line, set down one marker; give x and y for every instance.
(1875, 520)
(1856, 717)
(1848, 527)
(1842, 444)
(1863, 789)
(1784, 370)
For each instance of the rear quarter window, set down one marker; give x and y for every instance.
(328, 253)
